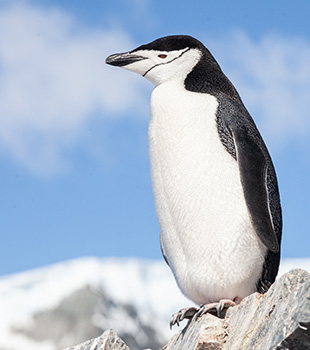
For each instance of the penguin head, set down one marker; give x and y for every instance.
(164, 59)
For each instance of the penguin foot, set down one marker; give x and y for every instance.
(194, 313)
(216, 308)
(187, 312)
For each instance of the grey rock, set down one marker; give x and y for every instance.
(270, 321)
(109, 340)
(278, 320)
(207, 333)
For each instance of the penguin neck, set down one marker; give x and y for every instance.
(207, 77)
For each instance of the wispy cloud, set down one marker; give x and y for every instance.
(53, 78)
(273, 77)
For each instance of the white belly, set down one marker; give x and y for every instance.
(206, 231)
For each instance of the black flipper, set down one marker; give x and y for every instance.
(243, 141)
(253, 167)
(238, 131)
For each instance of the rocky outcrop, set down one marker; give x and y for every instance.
(278, 320)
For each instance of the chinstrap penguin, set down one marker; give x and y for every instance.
(215, 188)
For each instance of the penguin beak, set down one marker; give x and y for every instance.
(123, 59)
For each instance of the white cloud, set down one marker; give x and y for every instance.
(272, 76)
(53, 78)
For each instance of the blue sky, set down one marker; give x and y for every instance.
(73, 131)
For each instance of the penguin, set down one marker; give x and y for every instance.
(214, 184)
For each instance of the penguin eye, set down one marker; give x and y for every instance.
(162, 56)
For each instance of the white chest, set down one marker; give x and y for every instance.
(205, 225)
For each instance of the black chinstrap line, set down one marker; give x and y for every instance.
(161, 64)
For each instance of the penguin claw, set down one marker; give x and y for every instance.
(179, 316)
(194, 313)
(217, 307)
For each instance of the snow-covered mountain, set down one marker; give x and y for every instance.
(60, 305)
